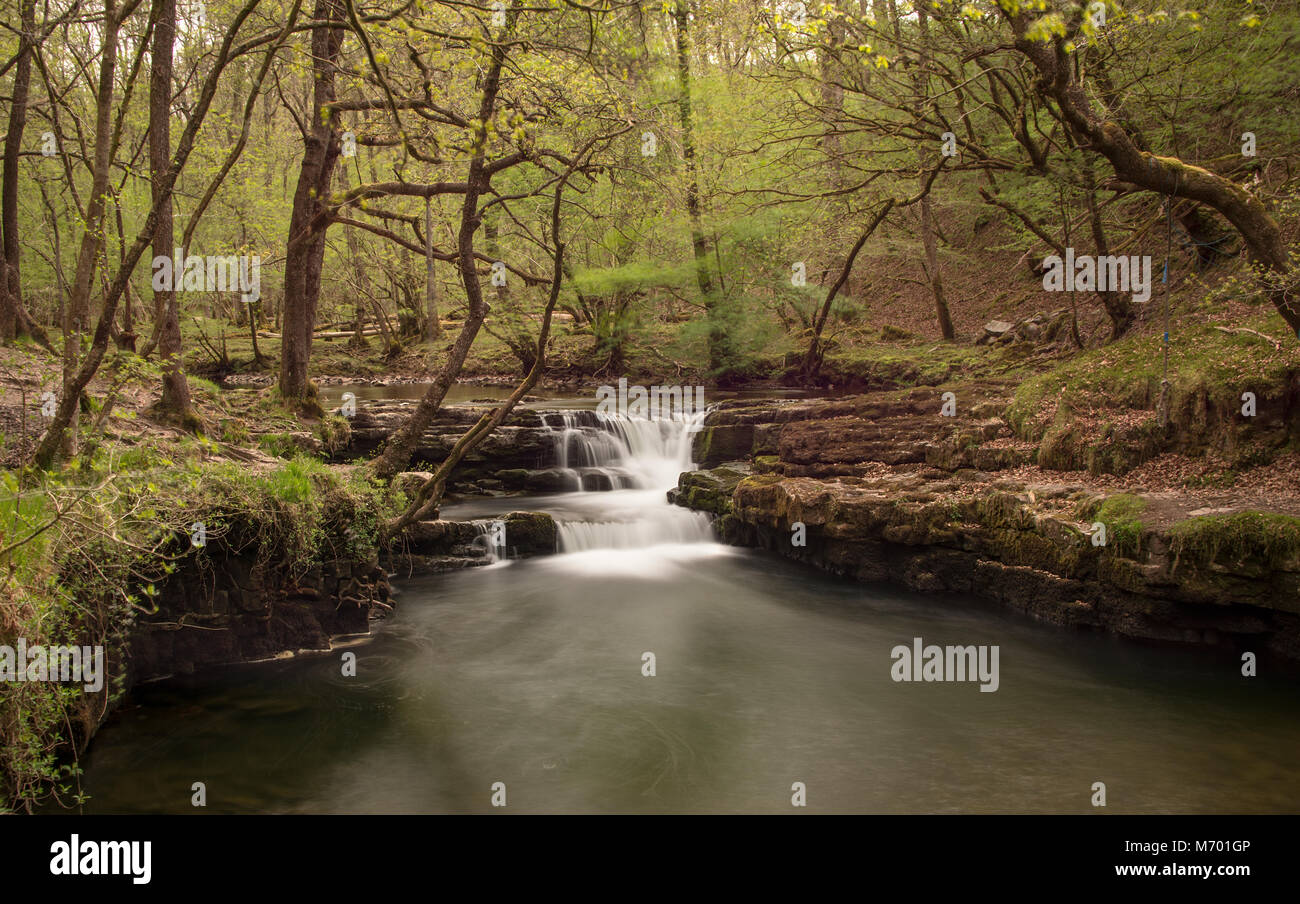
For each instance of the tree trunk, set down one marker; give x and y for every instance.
(810, 369)
(175, 400)
(1167, 175)
(309, 220)
(514, 335)
(933, 273)
(430, 493)
(77, 313)
(1118, 306)
(717, 333)
(362, 288)
(396, 453)
(14, 319)
(1206, 238)
(359, 323)
(65, 414)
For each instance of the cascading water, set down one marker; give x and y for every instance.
(631, 463)
(610, 452)
(491, 539)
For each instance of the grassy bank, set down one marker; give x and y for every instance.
(88, 553)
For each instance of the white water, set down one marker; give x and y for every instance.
(638, 460)
(487, 540)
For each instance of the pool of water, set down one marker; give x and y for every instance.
(530, 673)
(533, 674)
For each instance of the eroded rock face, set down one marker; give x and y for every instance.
(520, 456)
(888, 489)
(432, 547)
(522, 442)
(853, 436)
(1019, 546)
(222, 608)
(709, 491)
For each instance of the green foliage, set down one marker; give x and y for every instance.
(334, 433)
(1205, 363)
(281, 445)
(101, 565)
(1264, 538)
(234, 430)
(1122, 515)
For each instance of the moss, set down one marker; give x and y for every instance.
(891, 333)
(1061, 450)
(136, 527)
(1122, 515)
(709, 491)
(1208, 371)
(892, 367)
(1119, 451)
(1272, 540)
(1002, 510)
(530, 533)
(334, 433)
(714, 445)
(233, 430)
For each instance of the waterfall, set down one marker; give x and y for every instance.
(632, 463)
(599, 451)
(490, 537)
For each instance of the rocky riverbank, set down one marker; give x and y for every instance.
(885, 487)
(223, 606)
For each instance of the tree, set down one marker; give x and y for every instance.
(175, 400)
(77, 378)
(1050, 54)
(717, 335)
(14, 319)
(305, 251)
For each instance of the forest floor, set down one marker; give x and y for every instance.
(1061, 399)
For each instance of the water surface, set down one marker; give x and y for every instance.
(530, 673)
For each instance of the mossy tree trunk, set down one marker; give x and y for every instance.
(175, 400)
(1094, 129)
(309, 221)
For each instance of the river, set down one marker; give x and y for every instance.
(532, 673)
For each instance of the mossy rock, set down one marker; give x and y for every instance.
(1061, 450)
(728, 442)
(530, 534)
(1121, 513)
(708, 491)
(767, 464)
(1120, 451)
(1263, 539)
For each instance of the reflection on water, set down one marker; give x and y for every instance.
(530, 673)
(767, 674)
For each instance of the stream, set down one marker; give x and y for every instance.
(766, 673)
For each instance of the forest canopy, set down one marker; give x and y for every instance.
(734, 167)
